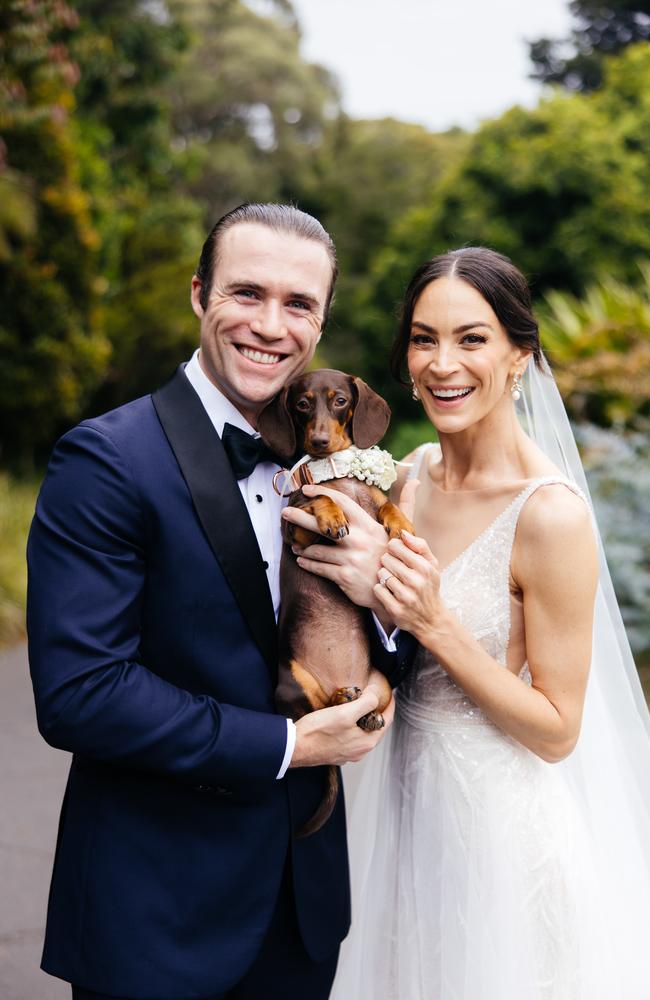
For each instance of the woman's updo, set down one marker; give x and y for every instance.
(494, 277)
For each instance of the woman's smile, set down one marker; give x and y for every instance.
(450, 396)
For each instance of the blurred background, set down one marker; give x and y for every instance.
(127, 128)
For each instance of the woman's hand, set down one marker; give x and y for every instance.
(354, 561)
(409, 586)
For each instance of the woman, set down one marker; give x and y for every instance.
(482, 867)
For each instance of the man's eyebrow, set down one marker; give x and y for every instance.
(255, 287)
(243, 283)
(306, 297)
(459, 329)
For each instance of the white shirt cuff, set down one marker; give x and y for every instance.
(387, 641)
(288, 753)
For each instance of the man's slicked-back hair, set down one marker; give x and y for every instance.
(282, 219)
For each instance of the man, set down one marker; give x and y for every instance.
(153, 586)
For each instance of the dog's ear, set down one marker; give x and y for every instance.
(276, 426)
(371, 416)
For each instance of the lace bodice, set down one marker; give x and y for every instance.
(476, 587)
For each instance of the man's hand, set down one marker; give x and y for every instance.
(331, 735)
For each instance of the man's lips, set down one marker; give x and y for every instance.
(260, 357)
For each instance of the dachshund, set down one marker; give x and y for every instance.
(324, 647)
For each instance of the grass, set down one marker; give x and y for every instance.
(17, 499)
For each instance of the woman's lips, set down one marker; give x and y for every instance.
(450, 397)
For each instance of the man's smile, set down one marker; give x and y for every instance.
(260, 357)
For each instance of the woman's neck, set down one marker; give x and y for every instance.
(491, 451)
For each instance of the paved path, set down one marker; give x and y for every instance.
(32, 779)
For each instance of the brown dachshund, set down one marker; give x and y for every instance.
(324, 647)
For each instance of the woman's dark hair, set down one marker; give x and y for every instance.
(281, 218)
(495, 277)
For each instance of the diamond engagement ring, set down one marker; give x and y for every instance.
(384, 576)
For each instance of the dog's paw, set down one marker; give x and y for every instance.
(371, 722)
(344, 695)
(393, 520)
(332, 522)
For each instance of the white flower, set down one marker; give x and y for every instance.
(373, 466)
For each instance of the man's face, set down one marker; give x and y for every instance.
(264, 315)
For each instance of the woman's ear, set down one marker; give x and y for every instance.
(276, 426)
(371, 416)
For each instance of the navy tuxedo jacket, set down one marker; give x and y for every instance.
(152, 645)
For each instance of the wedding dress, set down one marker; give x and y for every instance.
(480, 871)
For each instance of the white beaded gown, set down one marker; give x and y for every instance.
(473, 873)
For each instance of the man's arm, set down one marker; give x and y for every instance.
(93, 694)
(395, 664)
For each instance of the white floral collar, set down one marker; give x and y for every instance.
(371, 465)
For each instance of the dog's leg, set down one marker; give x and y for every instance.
(391, 516)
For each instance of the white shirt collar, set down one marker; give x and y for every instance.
(217, 406)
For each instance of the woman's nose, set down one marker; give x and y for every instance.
(444, 360)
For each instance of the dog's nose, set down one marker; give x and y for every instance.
(320, 440)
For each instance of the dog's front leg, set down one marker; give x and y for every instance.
(389, 514)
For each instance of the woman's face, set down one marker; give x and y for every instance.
(459, 356)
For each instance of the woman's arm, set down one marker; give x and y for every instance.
(556, 567)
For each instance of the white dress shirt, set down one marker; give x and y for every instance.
(263, 504)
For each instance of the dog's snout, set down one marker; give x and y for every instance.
(320, 439)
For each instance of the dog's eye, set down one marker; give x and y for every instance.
(341, 401)
(302, 404)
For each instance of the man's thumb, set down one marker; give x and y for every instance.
(366, 702)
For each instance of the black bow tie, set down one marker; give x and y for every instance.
(245, 451)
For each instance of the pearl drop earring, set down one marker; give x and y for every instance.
(515, 388)
(414, 392)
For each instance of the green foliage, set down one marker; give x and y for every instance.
(602, 28)
(407, 435)
(378, 171)
(51, 349)
(599, 345)
(249, 113)
(17, 499)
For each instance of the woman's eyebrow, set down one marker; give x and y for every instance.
(459, 329)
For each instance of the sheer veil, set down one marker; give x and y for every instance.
(609, 771)
(608, 774)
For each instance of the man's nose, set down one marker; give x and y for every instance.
(269, 321)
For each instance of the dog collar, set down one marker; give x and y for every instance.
(371, 465)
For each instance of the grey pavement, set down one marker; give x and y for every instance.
(32, 780)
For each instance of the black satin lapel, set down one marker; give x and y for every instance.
(219, 505)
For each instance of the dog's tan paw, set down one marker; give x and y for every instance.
(344, 695)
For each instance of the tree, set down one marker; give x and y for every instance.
(52, 351)
(602, 28)
(372, 174)
(249, 113)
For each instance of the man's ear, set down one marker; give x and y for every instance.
(195, 297)
(276, 426)
(371, 416)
